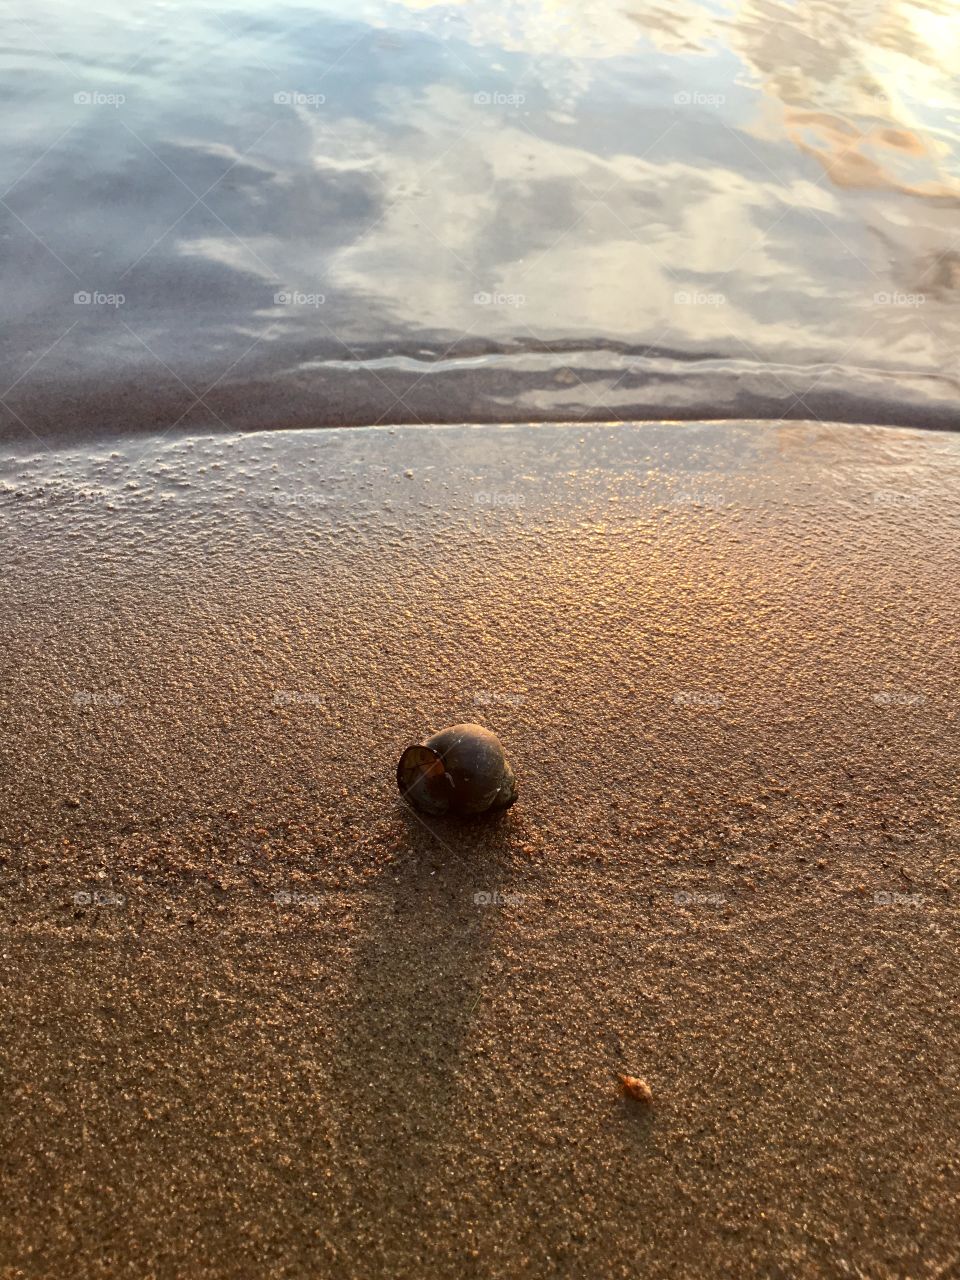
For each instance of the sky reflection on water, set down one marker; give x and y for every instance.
(401, 212)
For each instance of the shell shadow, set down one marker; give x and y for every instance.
(636, 1120)
(419, 973)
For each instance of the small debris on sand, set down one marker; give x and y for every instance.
(636, 1088)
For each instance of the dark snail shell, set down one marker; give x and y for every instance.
(461, 770)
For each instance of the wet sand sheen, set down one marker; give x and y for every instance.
(723, 662)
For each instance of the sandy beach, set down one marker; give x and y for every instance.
(261, 1020)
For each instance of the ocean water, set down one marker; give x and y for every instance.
(245, 215)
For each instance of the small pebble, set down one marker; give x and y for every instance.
(636, 1088)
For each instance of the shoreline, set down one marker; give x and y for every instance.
(568, 383)
(73, 448)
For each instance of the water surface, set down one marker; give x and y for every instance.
(234, 214)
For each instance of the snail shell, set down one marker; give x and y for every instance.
(461, 770)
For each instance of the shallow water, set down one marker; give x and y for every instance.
(250, 215)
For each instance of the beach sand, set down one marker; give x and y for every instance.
(257, 1021)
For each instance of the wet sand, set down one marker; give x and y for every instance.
(257, 1020)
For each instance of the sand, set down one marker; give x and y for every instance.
(257, 1021)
